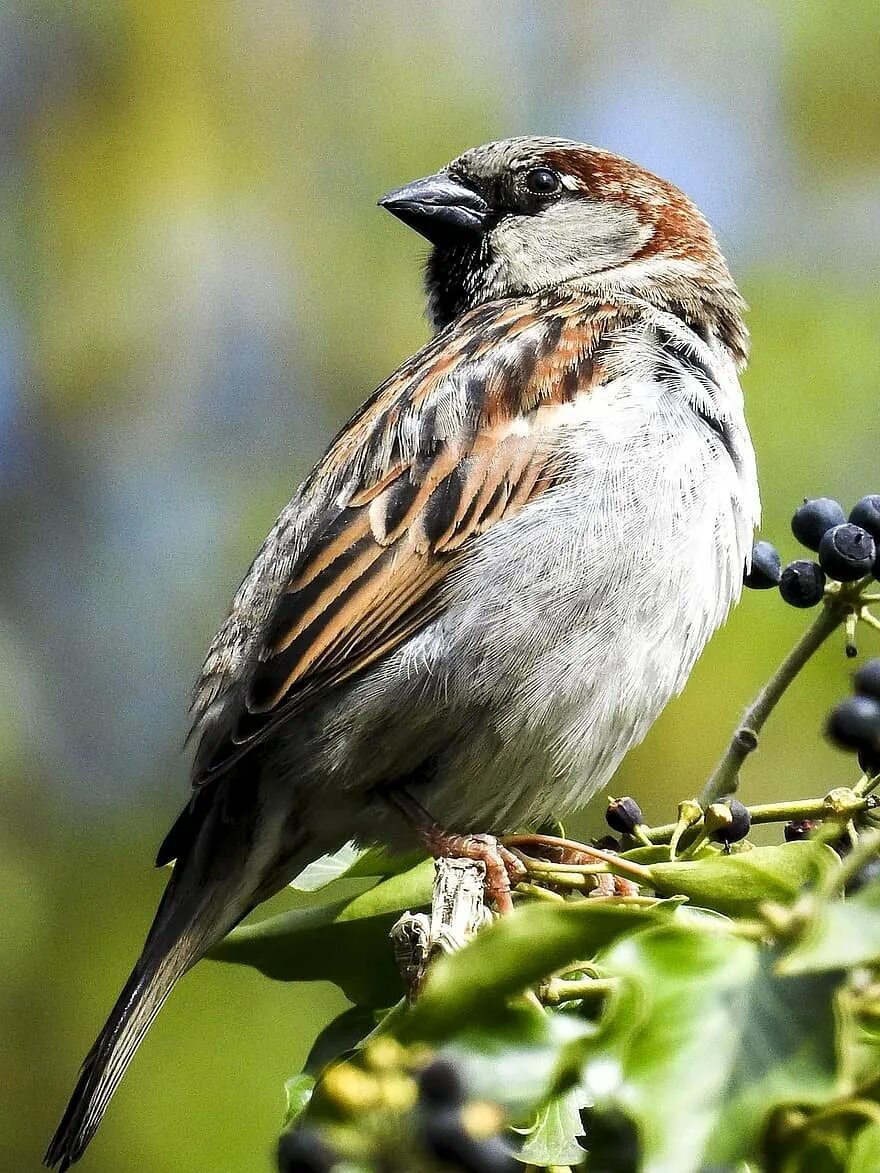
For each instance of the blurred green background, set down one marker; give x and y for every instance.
(196, 288)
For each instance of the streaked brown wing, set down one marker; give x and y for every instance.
(462, 437)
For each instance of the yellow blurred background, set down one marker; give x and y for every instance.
(196, 288)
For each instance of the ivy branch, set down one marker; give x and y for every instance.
(844, 605)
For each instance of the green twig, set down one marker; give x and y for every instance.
(558, 990)
(784, 812)
(724, 778)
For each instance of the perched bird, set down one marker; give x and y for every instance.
(503, 567)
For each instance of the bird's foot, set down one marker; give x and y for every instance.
(503, 870)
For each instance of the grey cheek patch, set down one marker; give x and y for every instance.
(570, 239)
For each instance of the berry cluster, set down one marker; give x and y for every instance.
(726, 822)
(446, 1130)
(854, 724)
(401, 1112)
(847, 550)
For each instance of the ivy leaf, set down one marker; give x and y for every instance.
(787, 1053)
(842, 934)
(553, 1138)
(345, 941)
(353, 863)
(339, 1038)
(673, 1031)
(528, 1061)
(521, 1058)
(737, 884)
(298, 1092)
(706, 1040)
(512, 954)
(326, 869)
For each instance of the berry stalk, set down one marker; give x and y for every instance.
(724, 779)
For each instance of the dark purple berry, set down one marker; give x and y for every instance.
(766, 569)
(855, 723)
(446, 1138)
(847, 552)
(867, 680)
(813, 520)
(441, 1085)
(303, 1151)
(866, 513)
(869, 761)
(739, 826)
(802, 584)
(623, 815)
(799, 829)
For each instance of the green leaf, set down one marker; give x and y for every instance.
(737, 884)
(354, 863)
(402, 891)
(376, 861)
(326, 869)
(787, 1053)
(864, 1156)
(298, 1092)
(553, 1139)
(516, 951)
(339, 1038)
(521, 1057)
(841, 934)
(345, 942)
(704, 1040)
(671, 1042)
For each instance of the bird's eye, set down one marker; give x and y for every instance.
(542, 181)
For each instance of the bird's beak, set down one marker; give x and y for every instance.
(439, 207)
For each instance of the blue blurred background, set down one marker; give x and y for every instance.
(196, 288)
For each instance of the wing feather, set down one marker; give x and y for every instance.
(461, 438)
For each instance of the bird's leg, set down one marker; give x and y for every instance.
(503, 869)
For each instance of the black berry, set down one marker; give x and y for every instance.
(867, 680)
(813, 520)
(304, 1151)
(447, 1139)
(766, 567)
(623, 815)
(847, 552)
(739, 825)
(441, 1085)
(799, 829)
(866, 513)
(869, 761)
(802, 584)
(855, 723)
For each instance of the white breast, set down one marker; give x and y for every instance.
(574, 623)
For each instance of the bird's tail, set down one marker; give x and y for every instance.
(207, 895)
(150, 983)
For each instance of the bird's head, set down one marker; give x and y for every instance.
(522, 215)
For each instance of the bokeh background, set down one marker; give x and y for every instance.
(196, 288)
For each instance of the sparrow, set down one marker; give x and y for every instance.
(500, 571)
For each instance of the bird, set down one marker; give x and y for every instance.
(500, 571)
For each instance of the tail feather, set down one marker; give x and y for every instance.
(223, 869)
(141, 1000)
